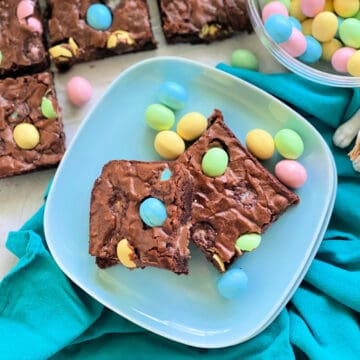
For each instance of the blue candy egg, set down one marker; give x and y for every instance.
(295, 23)
(173, 95)
(99, 17)
(232, 283)
(313, 51)
(166, 175)
(340, 21)
(279, 28)
(153, 212)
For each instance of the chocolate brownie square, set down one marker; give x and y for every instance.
(202, 21)
(31, 135)
(22, 50)
(73, 40)
(118, 233)
(247, 198)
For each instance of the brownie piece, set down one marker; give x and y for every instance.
(22, 50)
(202, 21)
(20, 102)
(246, 199)
(114, 214)
(72, 40)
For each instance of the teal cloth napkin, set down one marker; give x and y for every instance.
(44, 315)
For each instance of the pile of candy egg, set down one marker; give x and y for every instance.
(310, 30)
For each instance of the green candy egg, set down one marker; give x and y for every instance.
(350, 32)
(1, 56)
(47, 108)
(248, 242)
(289, 144)
(159, 117)
(215, 162)
(244, 59)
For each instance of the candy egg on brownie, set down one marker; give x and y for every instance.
(173, 95)
(153, 212)
(99, 17)
(215, 162)
(26, 136)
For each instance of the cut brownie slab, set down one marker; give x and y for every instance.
(197, 21)
(117, 232)
(247, 198)
(22, 49)
(30, 114)
(73, 40)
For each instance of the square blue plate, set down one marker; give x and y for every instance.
(188, 309)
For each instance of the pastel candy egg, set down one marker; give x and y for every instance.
(313, 51)
(291, 173)
(346, 8)
(285, 2)
(279, 28)
(35, 25)
(340, 21)
(311, 8)
(215, 162)
(153, 212)
(26, 136)
(296, 45)
(24, 9)
(248, 242)
(295, 22)
(244, 59)
(166, 175)
(324, 26)
(78, 90)
(340, 59)
(353, 65)
(350, 33)
(232, 284)
(125, 253)
(159, 117)
(191, 126)
(99, 17)
(289, 144)
(47, 108)
(295, 10)
(260, 143)
(329, 6)
(169, 145)
(329, 48)
(306, 26)
(357, 15)
(274, 7)
(173, 95)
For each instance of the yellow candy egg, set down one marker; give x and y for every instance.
(26, 136)
(346, 8)
(295, 10)
(260, 143)
(353, 65)
(307, 26)
(191, 126)
(324, 26)
(328, 5)
(169, 145)
(329, 47)
(125, 253)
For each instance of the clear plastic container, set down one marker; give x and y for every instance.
(321, 72)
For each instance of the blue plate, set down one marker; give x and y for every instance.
(188, 309)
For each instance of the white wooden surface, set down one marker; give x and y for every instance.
(21, 196)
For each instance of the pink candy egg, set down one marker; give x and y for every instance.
(78, 90)
(24, 9)
(35, 25)
(340, 59)
(291, 173)
(310, 8)
(296, 45)
(274, 7)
